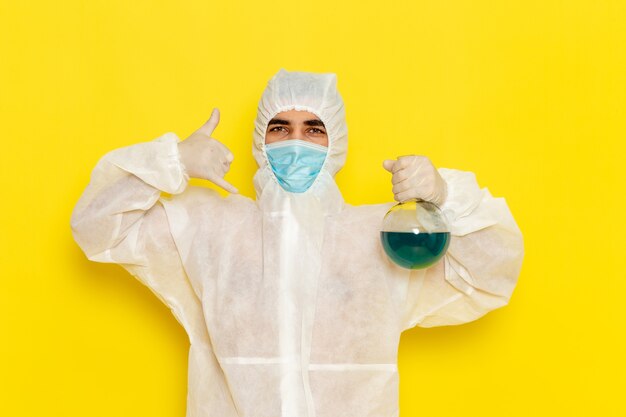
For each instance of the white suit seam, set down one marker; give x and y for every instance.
(246, 360)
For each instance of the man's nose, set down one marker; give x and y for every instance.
(295, 134)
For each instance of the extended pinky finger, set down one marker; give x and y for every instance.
(221, 182)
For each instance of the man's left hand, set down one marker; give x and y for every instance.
(416, 177)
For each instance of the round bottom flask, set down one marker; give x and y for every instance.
(415, 234)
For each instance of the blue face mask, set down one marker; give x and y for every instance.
(296, 163)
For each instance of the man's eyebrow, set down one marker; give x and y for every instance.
(279, 122)
(314, 122)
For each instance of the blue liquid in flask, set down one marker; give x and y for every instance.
(415, 250)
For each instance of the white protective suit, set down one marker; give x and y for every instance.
(291, 305)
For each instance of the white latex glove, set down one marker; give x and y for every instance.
(416, 177)
(205, 157)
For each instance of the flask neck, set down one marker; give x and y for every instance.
(413, 200)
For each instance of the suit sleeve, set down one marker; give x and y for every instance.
(480, 269)
(119, 219)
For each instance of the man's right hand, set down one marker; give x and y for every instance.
(205, 157)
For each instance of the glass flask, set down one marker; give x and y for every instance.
(415, 234)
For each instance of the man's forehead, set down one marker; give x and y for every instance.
(296, 116)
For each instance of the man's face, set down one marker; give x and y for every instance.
(295, 124)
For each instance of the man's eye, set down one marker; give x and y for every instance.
(316, 130)
(274, 129)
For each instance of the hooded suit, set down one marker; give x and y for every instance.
(290, 303)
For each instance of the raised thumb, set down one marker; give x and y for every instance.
(212, 123)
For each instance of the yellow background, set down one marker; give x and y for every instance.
(530, 95)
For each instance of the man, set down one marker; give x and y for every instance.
(291, 306)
